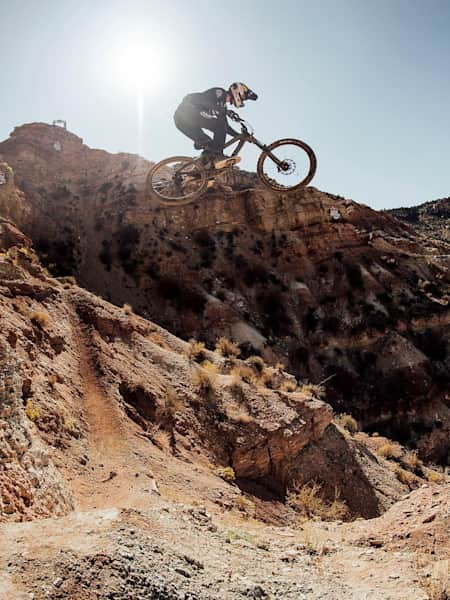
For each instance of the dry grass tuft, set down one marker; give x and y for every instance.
(158, 339)
(226, 473)
(411, 460)
(40, 318)
(32, 411)
(205, 381)
(256, 363)
(128, 309)
(162, 439)
(306, 499)
(387, 450)
(404, 476)
(172, 403)
(243, 373)
(238, 413)
(196, 351)
(288, 386)
(433, 476)
(227, 348)
(347, 422)
(315, 391)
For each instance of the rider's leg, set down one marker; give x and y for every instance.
(219, 128)
(193, 130)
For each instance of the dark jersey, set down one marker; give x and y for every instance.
(211, 102)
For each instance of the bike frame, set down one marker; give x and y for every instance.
(244, 137)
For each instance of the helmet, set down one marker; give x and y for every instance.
(239, 92)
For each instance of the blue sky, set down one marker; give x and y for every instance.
(365, 83)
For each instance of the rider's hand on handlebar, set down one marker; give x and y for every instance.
(233, 115)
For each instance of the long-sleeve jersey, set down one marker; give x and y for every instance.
(212, 101)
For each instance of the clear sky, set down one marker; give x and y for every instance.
(365, 82)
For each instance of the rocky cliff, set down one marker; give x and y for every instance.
(334, 290)
(169, 469)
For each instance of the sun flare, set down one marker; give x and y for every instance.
(141, 65)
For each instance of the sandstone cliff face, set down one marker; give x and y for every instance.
(92, 395)
(331, 288)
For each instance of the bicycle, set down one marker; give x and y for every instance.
(180, 180)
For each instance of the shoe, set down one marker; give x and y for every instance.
(226, 161)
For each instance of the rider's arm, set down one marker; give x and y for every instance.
(213, 99)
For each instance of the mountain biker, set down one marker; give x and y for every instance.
(207, 110)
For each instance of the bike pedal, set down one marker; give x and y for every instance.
(227, 162)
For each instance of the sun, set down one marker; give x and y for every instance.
(141, 65)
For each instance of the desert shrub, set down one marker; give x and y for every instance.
(128, 309)
(314, 390)
(387, 450)
(405, 477)
(256, 363)
(158, 339)
(241, 372)
(161, 438)
(288, 385)
(347, 422)
(225, 347)
(226, 473)
(433, 476)
(306, 499)
(196, 351)
(411, 460)
(40, 318)
(32, 411)
(172, 403)
(210, 367)
(204, 381)
(238, 414)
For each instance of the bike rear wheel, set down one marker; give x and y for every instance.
(294, 166)
(176, 181)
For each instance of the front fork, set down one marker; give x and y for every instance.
(280, 163)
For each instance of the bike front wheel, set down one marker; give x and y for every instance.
(287, 165)
(176, 181)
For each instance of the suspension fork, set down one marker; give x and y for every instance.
(280, 163)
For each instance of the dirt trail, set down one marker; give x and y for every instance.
(117, 472)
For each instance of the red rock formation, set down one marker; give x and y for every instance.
(330, 287)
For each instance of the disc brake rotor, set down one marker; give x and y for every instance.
(287, 167)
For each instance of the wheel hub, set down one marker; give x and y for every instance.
(287, 167)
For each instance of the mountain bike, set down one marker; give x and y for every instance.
(283, 166)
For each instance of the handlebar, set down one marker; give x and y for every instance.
(233, 116)
(246, 127)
